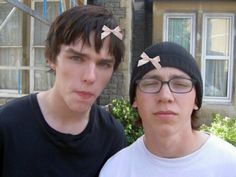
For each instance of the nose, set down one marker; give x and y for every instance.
(165, 95)
(89, 75)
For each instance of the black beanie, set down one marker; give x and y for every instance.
(171, 55)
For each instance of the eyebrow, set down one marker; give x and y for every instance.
(74, 52)
(153, 76)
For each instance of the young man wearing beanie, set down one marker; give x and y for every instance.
(61, 132)
(166, 89)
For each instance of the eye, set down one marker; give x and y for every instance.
(106, 64)
(75, 58)
(150, 82)
(181, 83)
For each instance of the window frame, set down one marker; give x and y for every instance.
(33, 47)
(229, 58)
(11, 92)
(30, 68)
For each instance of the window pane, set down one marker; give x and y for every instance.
(11, 32)
(14, 80)
(8, 79)
(10, 47)
(11, 57)
(216, 78)
(39, 59)
(218, 30)
(179, 31)
(42, 29)
(43, 80)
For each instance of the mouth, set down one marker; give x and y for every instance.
(165, 114)
(85, 95)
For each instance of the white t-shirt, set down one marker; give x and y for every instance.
(216, 158)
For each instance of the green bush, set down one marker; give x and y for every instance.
(223, 127)
(123, 111)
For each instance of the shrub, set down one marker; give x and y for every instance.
(223, 127)
(124, 112)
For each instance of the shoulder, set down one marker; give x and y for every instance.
(105, 119)
(121, 162)
(221, 148)
(122, 155)
(118, 164)
(109, 130)
(16, 107)
(106, 124)
(18, 102)
(221, 144)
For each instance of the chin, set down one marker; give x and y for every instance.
(80, 107)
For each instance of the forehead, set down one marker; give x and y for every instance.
(83, 46)
(166, 72)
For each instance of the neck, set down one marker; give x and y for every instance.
(58, 115)
(175, 146)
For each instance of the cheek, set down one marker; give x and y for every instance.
(142, 102)
(187, 102)
(192, 98)
(103, 77)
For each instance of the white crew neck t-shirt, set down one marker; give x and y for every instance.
(215, 158)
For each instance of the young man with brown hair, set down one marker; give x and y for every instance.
(61, 132)
(166, 89)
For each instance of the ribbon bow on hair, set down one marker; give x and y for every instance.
(116, 31)
(145, 59)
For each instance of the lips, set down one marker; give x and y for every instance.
(165, 114)
(85, 94)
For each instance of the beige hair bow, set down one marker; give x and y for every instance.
(116, 31)
(145, 59)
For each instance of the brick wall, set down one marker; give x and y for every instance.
(138, 32)
(118, 86)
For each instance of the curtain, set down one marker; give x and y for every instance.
(216, 78)
(179, 31)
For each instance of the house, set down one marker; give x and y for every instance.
(204, 27)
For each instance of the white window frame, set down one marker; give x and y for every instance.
(10, 92)
(191, 16)
(228, 98)
(32, 46)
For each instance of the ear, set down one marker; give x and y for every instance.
(134, 105)
(52, 66)
(195, 107)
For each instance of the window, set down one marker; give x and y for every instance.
(40, 79)
(24, 72)
(180, 28)
(11, 61)
(217, 56)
